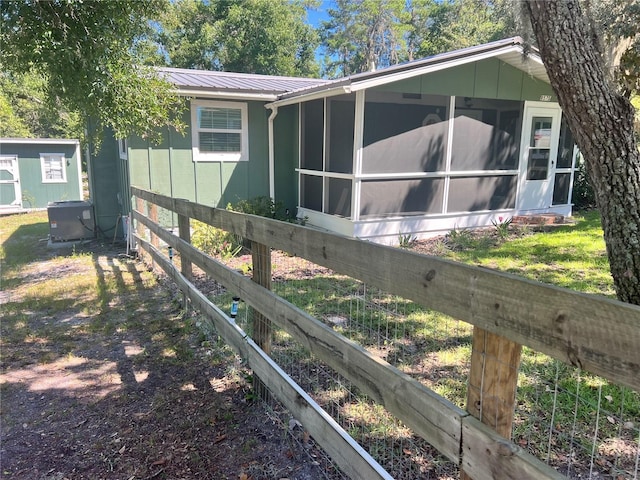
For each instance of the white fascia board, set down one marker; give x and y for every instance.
(221, 94)
(41, 141)
(403, 75)
(330, 92)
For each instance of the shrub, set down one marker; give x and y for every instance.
(583, 197)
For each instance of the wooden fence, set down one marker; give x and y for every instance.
(594, 333)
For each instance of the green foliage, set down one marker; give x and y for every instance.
(583, 196)
(460, 239)
(406, 240)
(502, 227)
(85, 52)
(262, 206)
(214, 241)
(252, 36)
(363, 35)
(377, 33)
(30, 111)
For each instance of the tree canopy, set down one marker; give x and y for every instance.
(268, 37)
(84, 52)
(370, 34)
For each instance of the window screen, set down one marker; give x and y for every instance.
(312, 135)
(338, 201)
(341, 129)
(401, 197)
(471, 194)
(407, 136)
(311, 192)
(486, 134)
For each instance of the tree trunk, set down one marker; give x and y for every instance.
(601, 121)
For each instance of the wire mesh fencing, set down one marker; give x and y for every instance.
(582, 425)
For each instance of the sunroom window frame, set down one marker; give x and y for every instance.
(242, 155)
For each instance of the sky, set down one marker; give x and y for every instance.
(315, 17)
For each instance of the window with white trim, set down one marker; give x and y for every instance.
(53, 168)
(219, 131)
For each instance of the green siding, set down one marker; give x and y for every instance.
(509, 82)
(486, 79)
(286, 157)
(105, 186)
(453, 81)
(35, 192)
(490, 78)
(168, 167)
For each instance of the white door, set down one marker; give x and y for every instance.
(10, 194)
(538, 151)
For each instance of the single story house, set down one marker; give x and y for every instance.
(456, 140)
(37, 171)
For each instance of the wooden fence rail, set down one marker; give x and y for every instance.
(594, 333)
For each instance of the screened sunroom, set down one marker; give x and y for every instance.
(421, 153)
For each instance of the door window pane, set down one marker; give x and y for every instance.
(539, 148)
(565, 149)
(561, 188)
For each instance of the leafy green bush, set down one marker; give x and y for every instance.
(262, 206)
(214, 241)
(583, 198)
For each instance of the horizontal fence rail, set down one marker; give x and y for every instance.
(593, 333)
(585, 331)
(334, 440)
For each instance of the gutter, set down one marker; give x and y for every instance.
(225, 94)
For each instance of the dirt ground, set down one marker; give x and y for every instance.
(129, 388)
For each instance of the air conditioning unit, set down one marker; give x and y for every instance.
(70, 221)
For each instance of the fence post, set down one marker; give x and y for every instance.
(153, 215)
(493, 380)
(140, 229)
(261, 258)
(184, 230)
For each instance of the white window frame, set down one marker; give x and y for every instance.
(45, 172)
(199, 156)
(123, 148)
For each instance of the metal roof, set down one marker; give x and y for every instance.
(206, 81)
(58, 141)
(285, 90)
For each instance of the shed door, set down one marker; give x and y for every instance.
(10, 195)
(539, 150)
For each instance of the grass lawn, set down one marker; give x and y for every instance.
(572, 256)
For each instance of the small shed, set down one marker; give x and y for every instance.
(37, 171)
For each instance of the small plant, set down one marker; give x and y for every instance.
(28, 198)
(460, 239)
(502, 227)
(406, 240)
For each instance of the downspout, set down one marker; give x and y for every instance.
(272, 165)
